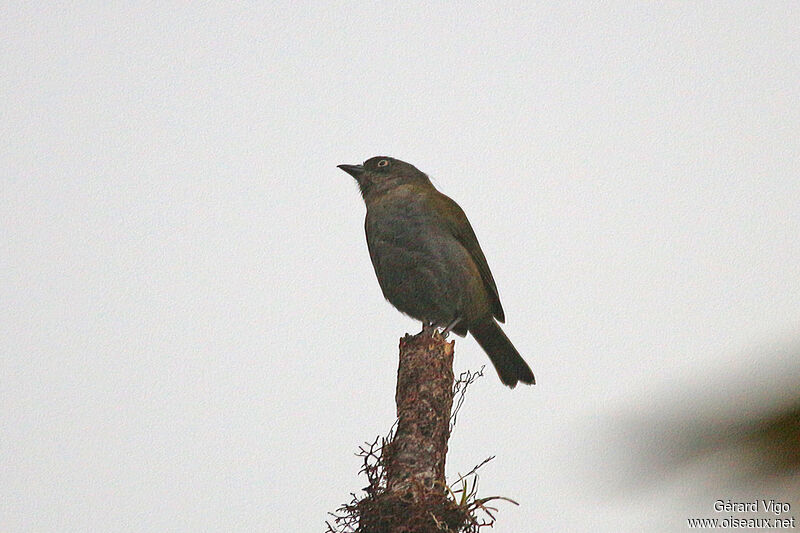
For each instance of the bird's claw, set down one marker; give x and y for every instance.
(446, 331)
(430, 327)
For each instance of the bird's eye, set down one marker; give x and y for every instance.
(383, 163)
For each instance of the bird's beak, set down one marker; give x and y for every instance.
(353, 170)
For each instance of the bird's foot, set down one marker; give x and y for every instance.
(446, 331)
(427, 327)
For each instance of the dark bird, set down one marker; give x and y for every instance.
(428, 261)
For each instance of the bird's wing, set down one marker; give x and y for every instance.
(456, 221)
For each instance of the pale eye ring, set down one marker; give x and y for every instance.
(383, 163)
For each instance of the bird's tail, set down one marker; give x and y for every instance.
(505, 358)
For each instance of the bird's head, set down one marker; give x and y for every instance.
(380, 174)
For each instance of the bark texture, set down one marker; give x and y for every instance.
(424, 398)
(415, 497)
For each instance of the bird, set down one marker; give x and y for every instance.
(428, 261)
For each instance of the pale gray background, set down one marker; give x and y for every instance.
(192, 335)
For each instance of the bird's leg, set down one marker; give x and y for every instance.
(427, 325)
(446, 331)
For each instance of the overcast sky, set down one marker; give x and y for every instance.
(192, 335)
